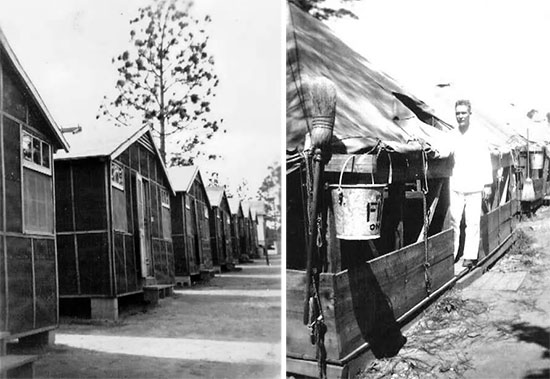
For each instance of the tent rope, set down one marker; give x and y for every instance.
(427, 276)
(318, 330)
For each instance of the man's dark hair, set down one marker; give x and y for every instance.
(464, 102)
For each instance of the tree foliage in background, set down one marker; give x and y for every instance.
(167, 80)
(321, 11)
(270, 193)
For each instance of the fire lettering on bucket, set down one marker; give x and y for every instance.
(372, 214)
(372, 208)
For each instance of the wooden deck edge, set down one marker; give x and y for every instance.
(487, 262)
(27, 333)
(12, 362)
(309, 368)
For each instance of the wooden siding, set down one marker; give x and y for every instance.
(97, 225)
(191, 231)
(362, 302)
(28, 272)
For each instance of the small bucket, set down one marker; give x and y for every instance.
(357, 209)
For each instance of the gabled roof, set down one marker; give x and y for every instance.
(371, 106)
(6, 48)
(235, 205)
(108, 141)
(247, 210)
(215, 195)
(258, 207)
(183, 177)
(101, 141)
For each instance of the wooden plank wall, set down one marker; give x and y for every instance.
(362, 303)
(496, 226)
(82, 233)
(28, 272)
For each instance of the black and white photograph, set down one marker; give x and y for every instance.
(417, 190)
(141, 148)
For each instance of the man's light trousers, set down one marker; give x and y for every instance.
(468, 203)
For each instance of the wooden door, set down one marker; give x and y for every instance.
(143, 228)
(198, 233)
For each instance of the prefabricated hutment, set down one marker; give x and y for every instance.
(250, 230)
(190, 224)
(113, 217)
(238, 235)
(28, 265)
(220, 228)
(259, 208)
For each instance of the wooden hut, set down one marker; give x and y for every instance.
(238, 235)
(259, 209)
(251, 224)
(28, 261)
(190, 225)
(220, 229)
(365, 288)
(113, 219)
(247, 220)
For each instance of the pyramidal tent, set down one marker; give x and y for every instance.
(371, 108)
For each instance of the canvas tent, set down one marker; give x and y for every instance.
(113, 218)
(389, 137)
(370, 107)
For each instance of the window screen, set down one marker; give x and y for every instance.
(38, 202)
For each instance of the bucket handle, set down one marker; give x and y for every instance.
(342, 173)
(390, 172)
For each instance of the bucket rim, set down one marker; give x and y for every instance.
(357, 186)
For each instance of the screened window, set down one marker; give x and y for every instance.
(117, 176)
(36, 154)
(38, 202)
(164, 198)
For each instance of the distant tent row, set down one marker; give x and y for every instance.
(93, 216)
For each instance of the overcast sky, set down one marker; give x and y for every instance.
(66, 46)
(495, 50)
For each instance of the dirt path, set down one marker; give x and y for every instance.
(498, 327)
(230, 328)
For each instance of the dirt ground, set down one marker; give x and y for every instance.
(229, 328)
(498, 327)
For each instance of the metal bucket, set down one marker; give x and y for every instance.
(357, 210)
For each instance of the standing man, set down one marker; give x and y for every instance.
(470, 182)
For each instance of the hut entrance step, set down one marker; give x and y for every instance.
(17, 366)
(4, 336)
(207, 274)
(183, 281)
(14, 366)
(153, 293)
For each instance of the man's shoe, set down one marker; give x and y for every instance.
(469, 263)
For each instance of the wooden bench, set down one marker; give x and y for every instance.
(152, 293)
